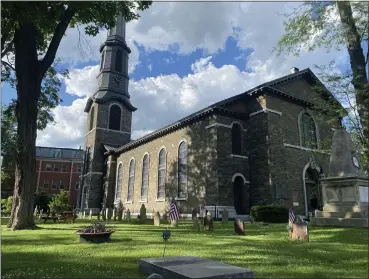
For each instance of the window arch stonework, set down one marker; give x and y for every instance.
(131, 180)
(115, 115)
(182, 170)
(162, 173)
(145, 177)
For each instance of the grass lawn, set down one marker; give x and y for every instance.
(55, 252)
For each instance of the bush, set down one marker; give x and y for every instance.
(6, 205)
(270, 213)
(60, 203)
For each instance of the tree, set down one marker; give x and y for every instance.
(335, 24)
(6, 205)
(60, 203)
(32, 32)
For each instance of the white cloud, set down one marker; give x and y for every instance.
(165, 99)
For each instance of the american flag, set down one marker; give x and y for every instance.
(291, 216)
(173, 212)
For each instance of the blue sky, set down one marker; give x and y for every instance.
(183, 59)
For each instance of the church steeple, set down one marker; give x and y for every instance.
(113, 77)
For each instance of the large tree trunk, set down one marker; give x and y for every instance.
(28, 84)
(358, 65)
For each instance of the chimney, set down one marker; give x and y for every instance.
(294, 70)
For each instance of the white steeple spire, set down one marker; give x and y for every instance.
(119, 29)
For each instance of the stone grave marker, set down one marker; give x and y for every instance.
(157, 219)
(299, 229)
(208, 223)
(143, 214)
(174, 223)
(225, 216)
(194, 214)
(128, 216)
(239, 227)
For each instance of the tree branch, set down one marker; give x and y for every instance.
(7, 49)
(8, 64)
(55, 41)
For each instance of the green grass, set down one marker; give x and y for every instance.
(54, 251)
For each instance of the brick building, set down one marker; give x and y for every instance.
(265, 145)
(58, 169)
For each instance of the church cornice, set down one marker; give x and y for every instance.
(115, 41)
(118, 99)
(176, 126)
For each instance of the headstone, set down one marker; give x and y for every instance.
(90, 214)
(174, 223)
(299, 229)
(143, 214)
(239, 227)
(208, 223)
(225, 216)
(194, 214)
(157, 219)
(128, 216)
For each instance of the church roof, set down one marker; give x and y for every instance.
(220, 109)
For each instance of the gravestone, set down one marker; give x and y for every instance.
(299, 229)
(174, 223)
(225, 216)
(208, 223)
(239, 227)
(142, 214)
(194, 214)
(157, 219)
(128, 216)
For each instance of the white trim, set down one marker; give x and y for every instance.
(129, 202)
(180, 199)
(121, 115)
(307, 111)
(265, 110)
(238, 156)
(306, 149)
(216, 124)
(53, 160)
(97, 173)
(104, 129)
(143, 201)
(160, 200)
(243, 177)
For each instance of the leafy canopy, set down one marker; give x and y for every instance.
(60, 202)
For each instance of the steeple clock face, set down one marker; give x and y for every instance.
(117, 80)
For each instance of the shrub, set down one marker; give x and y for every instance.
(6, 205)
(60, 203)
(270, 213)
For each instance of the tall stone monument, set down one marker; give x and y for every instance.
(345, 189)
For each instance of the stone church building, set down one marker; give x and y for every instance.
(266, 145)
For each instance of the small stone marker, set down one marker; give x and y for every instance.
(143, 214)
(225, 216)
(193, 267)
(157, 219)
(90, 214)
(194, 214)
(299, 230)
(128, 216)
(239, 227)
(208, 223)
(174, 223)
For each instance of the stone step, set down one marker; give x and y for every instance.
(339, 222)
(321, 214)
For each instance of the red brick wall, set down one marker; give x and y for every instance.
(69, 176)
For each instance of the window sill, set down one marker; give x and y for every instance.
(160, 200)
(129, 202)
(238, 156)
(143, 201)
(181, 199)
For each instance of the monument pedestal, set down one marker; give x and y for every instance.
(345, 202)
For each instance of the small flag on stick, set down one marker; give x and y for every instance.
(291, 216)
(173, 212)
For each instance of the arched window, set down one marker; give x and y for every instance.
(145, 178)
(131, 180)
(182, 170)
(115, 117)
(118, 61)
(162, 174)
(102, 60)
(92, 118)
(118, 186)
(236, 139)
(308, 131)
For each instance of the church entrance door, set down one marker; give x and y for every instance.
(239, 195)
